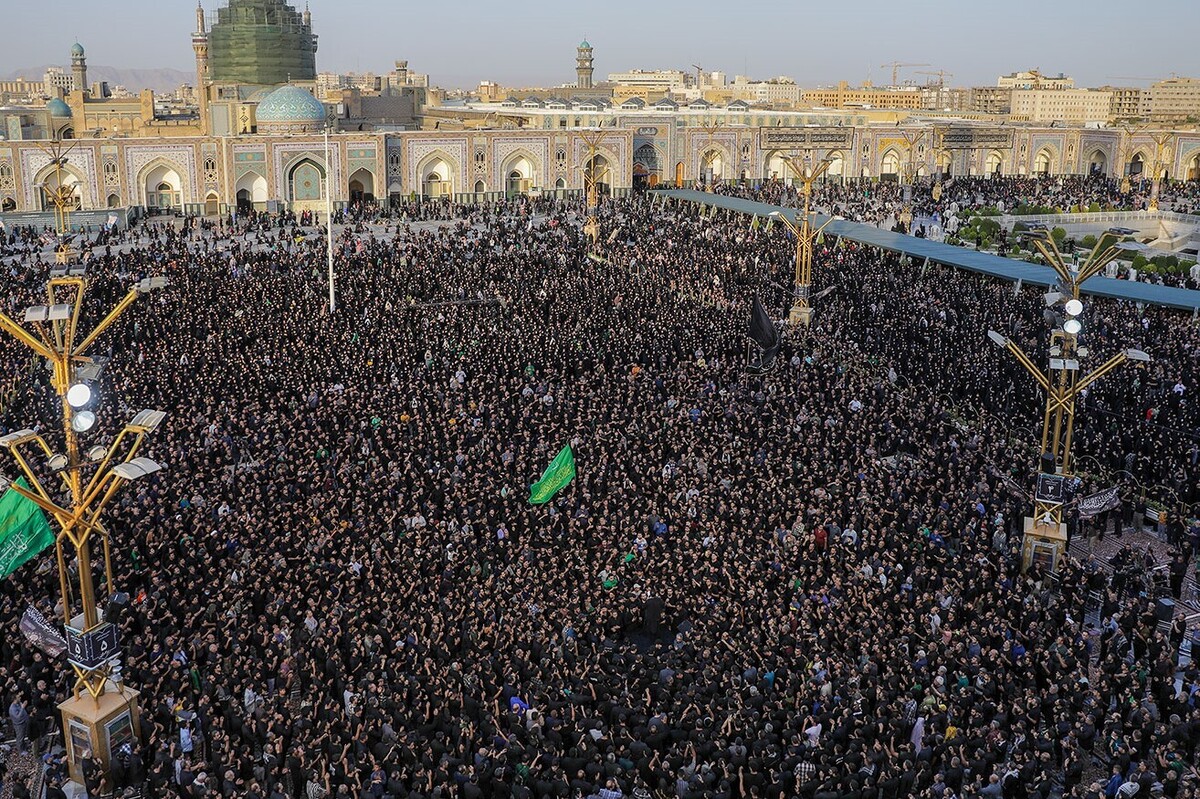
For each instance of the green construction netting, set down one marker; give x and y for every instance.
(262, 42)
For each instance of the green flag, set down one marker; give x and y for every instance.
(24, 531)
(560, 472)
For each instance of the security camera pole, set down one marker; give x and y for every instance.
(102, 708)
(1062, 386)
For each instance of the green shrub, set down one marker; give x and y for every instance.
(1088, 242)
(1059, 235)
(1020, 227)
(1139, 262)
(1093, 208)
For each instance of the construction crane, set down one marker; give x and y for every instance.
(895, 65)
(941, 76)
(699, 71)
(1127, 77)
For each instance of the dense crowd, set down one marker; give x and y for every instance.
(804, 582)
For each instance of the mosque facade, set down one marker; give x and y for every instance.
(259, 140)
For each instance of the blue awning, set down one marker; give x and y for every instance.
(958, 257)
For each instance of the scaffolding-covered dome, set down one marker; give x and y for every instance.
(261, 42)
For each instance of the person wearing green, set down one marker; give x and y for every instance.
(558, 474)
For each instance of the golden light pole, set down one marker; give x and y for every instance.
(102, 712)
(912, 139)
(61, 197)
(711, 131)
(591, 176)
(806, 236)
(1124, 145)
(1160, 143)
(1045, 531)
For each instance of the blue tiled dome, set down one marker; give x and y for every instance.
(58, 108)
(77, 49)
(290, 105)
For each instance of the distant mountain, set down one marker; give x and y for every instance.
(160, 80)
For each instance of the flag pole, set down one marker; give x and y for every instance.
(329, 217)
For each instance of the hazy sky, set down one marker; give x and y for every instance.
(531, 42)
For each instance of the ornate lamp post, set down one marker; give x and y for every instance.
(802, 229)
(102, 712)
(61, 197)
(1160, 143)
(1045, 531)
(591, 177)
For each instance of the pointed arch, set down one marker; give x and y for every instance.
(520, 171)
(437, 174)
(48, 178)
(1138, 163)
(307, 182)
(361, 186)
(994, 163)
(1044, 161)
(889, 165)
(162, 183)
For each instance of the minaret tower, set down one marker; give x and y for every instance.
(78, 68)
(200, 46)
(583, 65)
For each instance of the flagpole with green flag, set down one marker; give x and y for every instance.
(24, 531)
(558, 474)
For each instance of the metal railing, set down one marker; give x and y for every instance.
(1090, 217)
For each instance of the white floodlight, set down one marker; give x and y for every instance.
(57, 463)
(148, 420)
(136, 468)
(1074, 307)
(1052, 297)
(59, 312)
(83, 421)
(997, 339)
(36, 313)
(19, 437)
(1072, 326)
(96, 453)
(79, 395)
(1137, 355)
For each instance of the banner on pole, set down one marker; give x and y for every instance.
(558, 474)
(24, 531)
(38, 632)
(1097, 503)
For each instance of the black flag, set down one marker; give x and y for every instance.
(764, 333)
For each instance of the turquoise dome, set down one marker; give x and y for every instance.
(584, 45)
(58, 108)
(77, 49)
(290, 105)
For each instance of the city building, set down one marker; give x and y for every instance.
(945, 99)
(657, 80)
(1073, 106)
(991, 100)
(1034, 79)
(780, 91)
(865, 97)
(1172, 100)
(57, 82)
(1126, 102)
